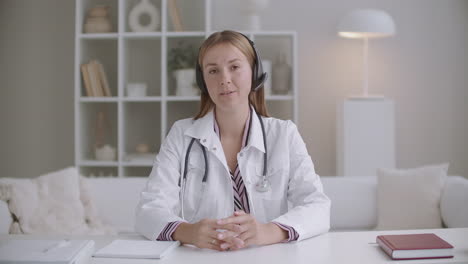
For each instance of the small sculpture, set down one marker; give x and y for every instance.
(102, 150)
(144, 7)
(98, 20)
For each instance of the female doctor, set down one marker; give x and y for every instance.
(232, 176)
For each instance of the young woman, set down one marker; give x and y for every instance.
(232, 176)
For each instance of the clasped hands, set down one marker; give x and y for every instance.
(235, 232)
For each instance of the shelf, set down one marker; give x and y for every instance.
(99, 99)
(141, 35)
(142, 59)
(186, 34)
(98, 35)
(142, 99)
(182, 98)
(99, 171)
(96, 163)
(137, 171)
(137, 164)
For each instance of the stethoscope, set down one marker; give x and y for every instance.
(263, 185)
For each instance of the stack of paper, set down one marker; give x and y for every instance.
(144, 249)
(46, 251)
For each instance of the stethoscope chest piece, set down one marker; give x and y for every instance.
(263, 185)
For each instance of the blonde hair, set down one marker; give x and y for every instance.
(236, 39)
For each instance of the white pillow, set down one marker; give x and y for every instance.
(410, 199)
(54, 203)
(453, 204)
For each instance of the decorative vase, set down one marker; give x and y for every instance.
(136, 89)
(144, 7)
(185, 82)
(142, 148)
(253, 8)
(98, 20)
(281, 76)
(105, 153)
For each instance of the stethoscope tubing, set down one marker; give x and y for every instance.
(183, 179)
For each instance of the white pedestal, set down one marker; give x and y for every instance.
(365, 136)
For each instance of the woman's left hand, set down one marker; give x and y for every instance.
(251, 232)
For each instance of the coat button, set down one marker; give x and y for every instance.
(214, 149)
(204, 140)
(242, 155)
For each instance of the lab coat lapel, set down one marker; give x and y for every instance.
(256, 135)
(203, 130)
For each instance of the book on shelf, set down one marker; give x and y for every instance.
(415, 246)
(175, 15)
(93, 70)
(95, 79)
(57, 251)
(86, 80)
(103, 79)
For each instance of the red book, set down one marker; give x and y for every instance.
(415, 246)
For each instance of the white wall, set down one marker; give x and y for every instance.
(36, 91)
(423, 68)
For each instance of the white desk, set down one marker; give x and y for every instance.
(334, 247)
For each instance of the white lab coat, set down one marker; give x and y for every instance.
(290, 172)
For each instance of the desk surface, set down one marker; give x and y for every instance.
(333, 247)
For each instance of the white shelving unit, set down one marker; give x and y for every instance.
(142, 57)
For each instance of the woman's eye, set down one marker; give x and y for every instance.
(212, 71)
(235, 67)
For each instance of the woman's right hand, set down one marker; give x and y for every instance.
(203, 234)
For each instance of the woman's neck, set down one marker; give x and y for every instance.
(232, 123)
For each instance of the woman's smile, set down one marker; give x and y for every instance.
(227, 93)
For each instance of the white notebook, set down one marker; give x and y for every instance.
(46, 251)
(144, 249)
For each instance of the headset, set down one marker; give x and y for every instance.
(258, 75)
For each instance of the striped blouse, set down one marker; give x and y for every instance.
(241, 200)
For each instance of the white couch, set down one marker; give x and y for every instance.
(354, 202)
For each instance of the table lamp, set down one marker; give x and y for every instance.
(366, 24)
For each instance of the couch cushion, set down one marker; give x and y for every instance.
(51, 203)
(410, 199)
(116, 200)
(353, 202)
(454, 200)
(5, 218)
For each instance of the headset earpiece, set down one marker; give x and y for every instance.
(199, 78)
(258, 76)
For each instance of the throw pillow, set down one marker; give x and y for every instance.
(54, 203)
(410, 199)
